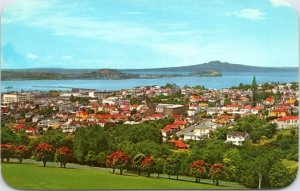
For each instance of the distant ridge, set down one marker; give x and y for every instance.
(210, 66)
(221, 67)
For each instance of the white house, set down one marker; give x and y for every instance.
(199, 131)
(287, 122)
(237, 138)
(193, 109)
(70, 126)
(198, 134)
(110, 101)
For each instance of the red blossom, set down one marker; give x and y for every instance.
(216, 169)
(44, 152)
(197, 168)
(148, 161)
(7, 151)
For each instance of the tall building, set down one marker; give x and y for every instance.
(13, 98)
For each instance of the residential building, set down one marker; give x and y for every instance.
(237, 138)
(287, 122)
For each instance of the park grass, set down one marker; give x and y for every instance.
(34, 176)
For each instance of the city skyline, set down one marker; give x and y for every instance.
(142, 34)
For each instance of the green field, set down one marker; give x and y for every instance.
(34, 176)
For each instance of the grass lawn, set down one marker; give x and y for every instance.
(34, 176)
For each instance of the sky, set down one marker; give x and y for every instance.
(124, 34)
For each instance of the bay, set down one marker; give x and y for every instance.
(228, 79)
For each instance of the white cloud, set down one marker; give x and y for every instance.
(25, 9)
(177, 43)
(251, 14)
(279, 3)
(168, 42)
(32, 56)
(66, 57)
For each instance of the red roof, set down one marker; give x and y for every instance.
(83, 113)
(118, 116)
(247, 107)
(233, 105)
(157, 115)
(101, 121)
(227, 117)
(244, 98)
(4, 109)
(20, 126)
(196, 97)
(31, 129)
(178, 143)
(177, 116)
(177, 122)
(286, 118)
(109, 106)
(279, 110)
(167, 128)
(270, 99)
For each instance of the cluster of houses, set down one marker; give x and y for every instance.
(205, 110)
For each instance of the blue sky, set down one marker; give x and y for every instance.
(148, 33)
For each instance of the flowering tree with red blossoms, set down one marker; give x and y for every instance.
(148, 165)
(63, 155)
(215, 172)
(7, 152)
(44, 152)
(118, 160)
(197, 169)
(22, 152)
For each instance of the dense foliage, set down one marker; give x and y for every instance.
(258, 163)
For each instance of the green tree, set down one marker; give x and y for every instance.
(8, 136)
(227, 101)
(92, 138)
(101, 158)
(261, 167)
(159, 166)
(168, 167)
(90, 158)
(21, 153)
(175, 163)
(279, 176)
(254, 92)
(137, 162)
(232, 160)
(7, 152)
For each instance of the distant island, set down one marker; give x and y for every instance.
(102, 74)
(211, 69)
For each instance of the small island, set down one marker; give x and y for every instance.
(212, 73)
(102, 74)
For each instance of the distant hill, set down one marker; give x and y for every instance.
(218, 66)
(210, 66)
